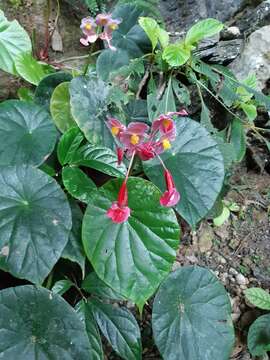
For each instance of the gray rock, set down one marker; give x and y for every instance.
(181, 14)
(223, 52)
(241, 280)
(255, 57)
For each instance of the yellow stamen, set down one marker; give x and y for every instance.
(134, 139)
(88, 26)
(166, 144)
(166, 123)
(115, 130)
(113, 26)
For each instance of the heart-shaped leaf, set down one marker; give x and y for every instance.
(27, 132)
(109, 61)
(197, 168)
(190, 311)
(78, 184)
(119, 327)
(176, 54)
(14, 41)
(99, 158)
(29, 68)
(35, 222)
(37, 324)
(74, 249)
(85, 313)
(259, 336)
(93, 285)
(60, 107)
(88, 99)
(132, 257)
(203, 29)
(47, 85)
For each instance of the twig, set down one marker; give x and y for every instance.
(143, 82)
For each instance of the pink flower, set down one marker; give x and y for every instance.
(134, 135)
(146, 151)
(115, 126)
(103, 19)
(183, 112)
(119, 212)
(165, 125)
(88, 27)
(171, 196)
(107, 36)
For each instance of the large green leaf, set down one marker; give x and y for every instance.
(14, 40)
(132, 257)
(29, 68)
(99, 158)
(35, 222)
(176, 54)
(258, 297)
(27, 133)
(74, 249)
(86, 315)
(238, 139)
(36, 324)
(93, 285)
(197, 168)
(119, 327)
(109, 61)
(259, 336)
(203, 29)
(47, 85)
(88, 99)
(77, 183)
(60, 107)
(191, 317)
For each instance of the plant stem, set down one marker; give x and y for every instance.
(130, 165)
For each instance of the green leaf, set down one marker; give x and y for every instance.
(203, 29)
(164, 105)
(151, 28)
(200, 177)
(29, 68)
(35, 222)
(37, 324)
(25, 94)
(85, 313)
(74, 248)
(238, 139)
(60, 107)
(27, 132)
(68, 145)
(78, 184)
(130, 36)
(258, 297)
(181, 92)
(88, 99)
(119, 327)
(132, 257)
(99, 158)
(220, 220)
(176, 54)
(61, 287)
(163, 37)
(136, 110)
(190, 310)
(93, 285)
(259, 336)
(14, 41)
(250, 110)
(47, 85)
(110, 61)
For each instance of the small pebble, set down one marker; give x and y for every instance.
(241, 280)
(233, 271)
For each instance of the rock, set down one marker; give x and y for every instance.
(233, 271)
(182, 14)
(252, 19)
(223, 52)
(241, 279)
(205, 238)
(230, 33)
(255, 57)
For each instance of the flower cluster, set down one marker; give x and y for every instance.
(138, 139)
(101, 27)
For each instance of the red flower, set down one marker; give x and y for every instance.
(171, 196)
(146, 151)
(119, 212)
(134, 135)
(120, 155)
